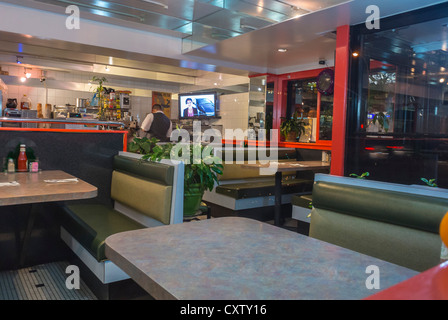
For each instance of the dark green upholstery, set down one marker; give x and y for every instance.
(157, 172)
(263, 188)
(398, 227)
(91, 224)
(145, 187)
(399, 208)
(302, 200)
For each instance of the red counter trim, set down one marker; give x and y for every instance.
(293, 145)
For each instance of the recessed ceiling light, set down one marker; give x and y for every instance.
(282, 50)
(355, 54)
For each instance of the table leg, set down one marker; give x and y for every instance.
(278, 199)
(27, 236)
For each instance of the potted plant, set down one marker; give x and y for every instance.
(382, 121)
(99, 95)
(293, 128)
(200, 174)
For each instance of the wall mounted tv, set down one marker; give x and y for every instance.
(198, 105)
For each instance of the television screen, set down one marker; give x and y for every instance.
(197, 105)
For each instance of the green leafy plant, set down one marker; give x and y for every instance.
(362, 176)
(142, 145)
(310, 206)
(294, 125)
(430, 182)
(203, 171)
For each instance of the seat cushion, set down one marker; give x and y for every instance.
(263, 188)
(91, 224)
(302, 200)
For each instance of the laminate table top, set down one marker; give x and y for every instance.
(31, 187)
(277, 168)
(234, 258)
(290, 165)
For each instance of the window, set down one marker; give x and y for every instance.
(398, 114)
(310, 105)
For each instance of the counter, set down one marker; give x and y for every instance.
(62, 123)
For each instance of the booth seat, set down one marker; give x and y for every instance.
(301, 207)
(144, 194)
(244, 192)
(393, 222)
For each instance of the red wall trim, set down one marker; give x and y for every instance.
(340, 99)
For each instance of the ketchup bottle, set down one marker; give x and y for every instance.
(22, 160)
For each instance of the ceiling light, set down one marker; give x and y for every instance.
(247, 26)
(18, 60)
(157, 3)
(282, 50)
(442, 80)
(23, 79)
(107, 68)
(355, 54)
(28, 73)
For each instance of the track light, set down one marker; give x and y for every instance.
(18, 60)
(27, 73)
(157, 3)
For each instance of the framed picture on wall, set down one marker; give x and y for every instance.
(164, 99)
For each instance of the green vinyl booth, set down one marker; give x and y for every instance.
(392, 222)
(144, 195)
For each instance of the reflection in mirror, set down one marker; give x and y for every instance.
(257, 107)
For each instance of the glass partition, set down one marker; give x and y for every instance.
(398, 125)
(257, 106)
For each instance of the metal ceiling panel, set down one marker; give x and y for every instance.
(233, 21)
(125, 11)
(230, 17)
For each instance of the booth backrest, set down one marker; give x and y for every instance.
(395, 226)
(232, 167)
(143, 186)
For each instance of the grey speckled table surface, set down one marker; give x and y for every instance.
(31, 187)
(235, 258)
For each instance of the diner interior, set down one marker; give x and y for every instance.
(314, 167)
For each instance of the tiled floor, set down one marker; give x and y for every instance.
(42, 282)
(48, 281)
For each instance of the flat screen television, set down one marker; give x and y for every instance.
(197, 105)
